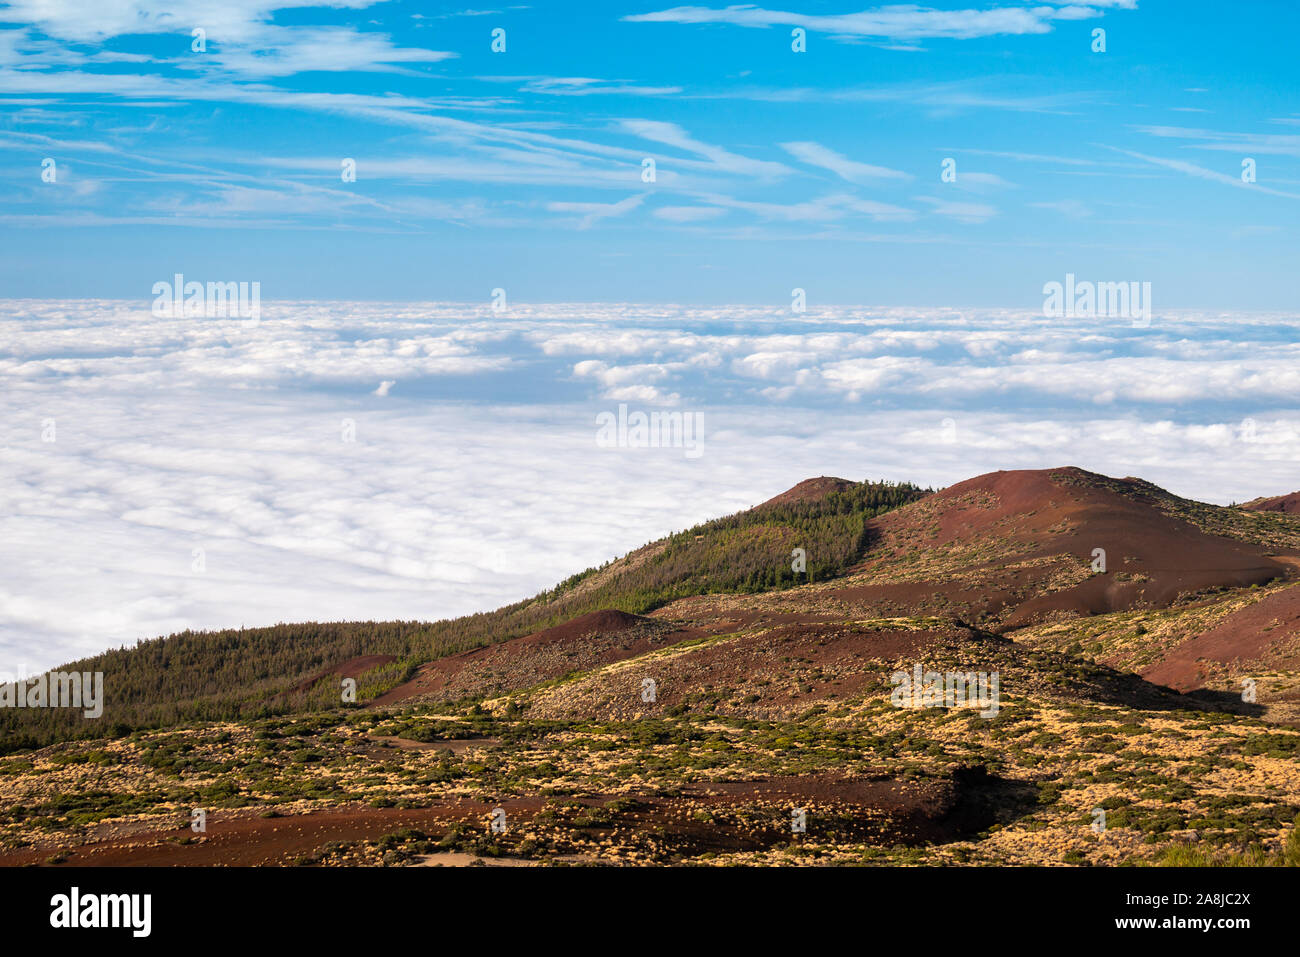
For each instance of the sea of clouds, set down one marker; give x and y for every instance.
(420, 461)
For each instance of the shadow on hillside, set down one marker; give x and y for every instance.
(1111, 686)
(1073, 676)
(982, 800)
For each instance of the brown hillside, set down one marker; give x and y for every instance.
(997, 552)
(810, 490)
(1011, 548)
(597, 638)
(1290, 504)
(1264, 634)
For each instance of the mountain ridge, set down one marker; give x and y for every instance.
(688, 726)
(1003, 550)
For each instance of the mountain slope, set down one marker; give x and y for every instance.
(1003, 552)
(258, 671)
(1010, 549)
(1288, 504)
(688, 719)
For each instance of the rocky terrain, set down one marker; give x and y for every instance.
(1145, 649)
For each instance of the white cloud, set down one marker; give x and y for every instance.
(1200, 172)
(981, 181)
(589, 213)
(814, 154)
(893, 22)
(670, 134)
(589, 86)
(175, 435)
(823, 209)
(960, 211)
(1072, 208)
(1287, 144)
(241, 35)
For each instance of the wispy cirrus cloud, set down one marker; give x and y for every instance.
(590, 213)
(937, 99)
(1201, 172)
(583, 86)
(670, 134)
(784, 150)
(961, 211)
(893, 22)
(1287, 144)
(814, 154)
(822, 209)
(1070, 208)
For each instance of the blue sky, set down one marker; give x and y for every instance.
(775, 169)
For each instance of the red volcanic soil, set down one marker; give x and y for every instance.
(811, 490)
(1266, 633)
(1153, 558)
(1048, 522)
(876, 810)
(590, 640)
(796, 662)
(1279, 503)
(607, 621)
(242, 840)
(352, 668)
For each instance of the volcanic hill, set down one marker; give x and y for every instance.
(679, 703)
